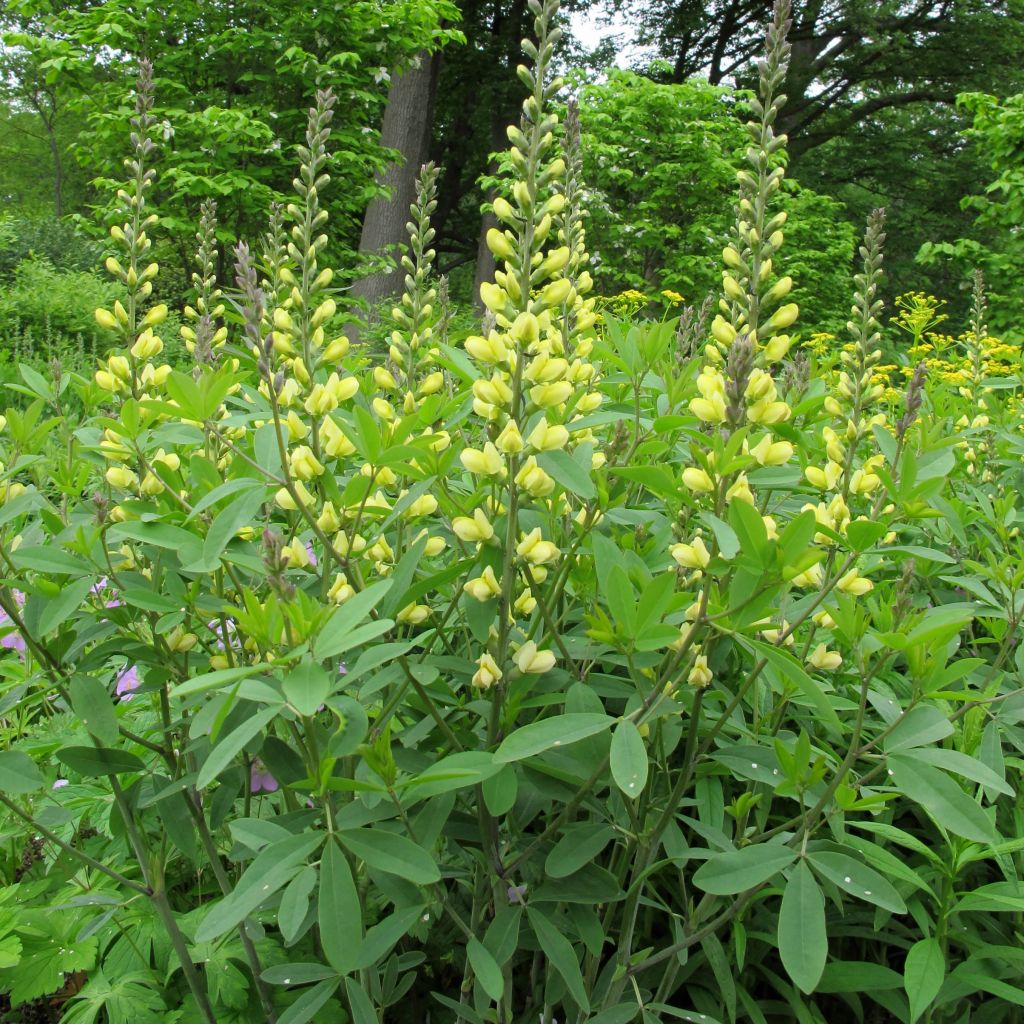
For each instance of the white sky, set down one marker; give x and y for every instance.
(592, 27)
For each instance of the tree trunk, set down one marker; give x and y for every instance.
(406, 127)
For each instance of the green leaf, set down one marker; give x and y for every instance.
(225, 751)
(338, 910)
(560, 954)
(963, 765)
(861, 534)
(50, 560)
(391, 852)
(359, 1003)
(309, 1004)
(791, 671)
(335, 637)
(569, 473)
(295, 903)
(803, 942)
(920, 726)
(618, 592)
(942, 798)
(213, 680)
(725, 874)
(579, 845)
(100, 760)
(629, 759)
(857, 879)
(728, 542)
(18, 773)
(59, 609)
(923, 975)
(559, 731)
(273, 868)
(486, 969)
(91, 702)
(306, 686)
(382, 936)
(228, 522)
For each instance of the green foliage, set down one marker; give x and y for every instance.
(233, 84)
(994, 244)
(576, 670)
(660, 165)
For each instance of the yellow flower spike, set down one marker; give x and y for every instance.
(334, 441)
(106, 319)
(494, 392)
(297, 427)
(855, 584)
(434, 545)
(697, 480)
(151, 485)
(487, 462)
(107, 381)
(534, 480)
(531, 661)
(771, 528)
(774, 635)
(483, 587)
(424, 505)
(691, 556)
(122, 478)
(546, 396)
(329, 521)
(180, 641)
(414, 614)
(525, 604)
(510, 440)
(336, 350)
(147, 345)
(120, 367)
(824, 659)
(499, 244)
(759, 386)
(723, 331)
(384, 409)
(556, 293)
(554, 262)
(709, 410)
(432, 383)
(589, 402)
(380, 551)
(296, 555)
(535, 550)
(487, 673)
(490, 350)
(783, 317)
(823, 619)
(740, 490)
(525, 329)
(384, 379)
(299, 371)
(546, 438)
(700, 675)
(769, 453)
(811, 578)
(287, 502)
(304, 464)
(323, 313)
(767, 413)
(494, 297)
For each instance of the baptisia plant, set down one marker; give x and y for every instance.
(550, 672)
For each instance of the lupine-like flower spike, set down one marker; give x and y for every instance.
(412, 342)
(205, 336)
(856, 393)
(736, 388)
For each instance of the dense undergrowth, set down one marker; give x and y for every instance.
(580, 667)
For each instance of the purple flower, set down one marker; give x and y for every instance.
(127, 682)
(101, 585)
(260, 780)
(59, 783)
(310, 552)
(13, 640)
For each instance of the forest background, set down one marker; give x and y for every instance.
(915, 107)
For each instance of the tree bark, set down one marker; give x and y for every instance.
(406, 128)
